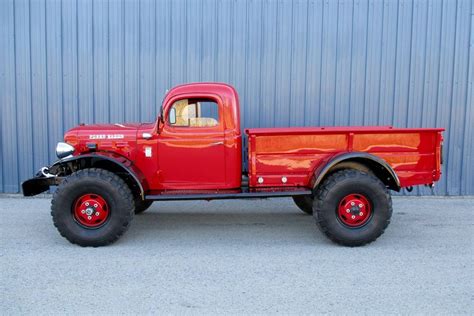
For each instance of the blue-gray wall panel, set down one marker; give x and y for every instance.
(406, 63)
(8, 99)
(39, 101)
(468, 153)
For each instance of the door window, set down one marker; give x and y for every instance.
(194, 113)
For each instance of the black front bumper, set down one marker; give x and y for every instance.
(38, 185)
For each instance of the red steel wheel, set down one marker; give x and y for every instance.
(354, 210)
(91, 210)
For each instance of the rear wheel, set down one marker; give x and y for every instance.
(352, 208)
(92, 207)
(305, 203)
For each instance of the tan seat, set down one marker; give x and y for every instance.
(202, 122)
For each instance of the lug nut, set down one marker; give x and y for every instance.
(353, 216)
(352, 203)
(348, 211)
(95, 205)
(87, 203)
(89, 217)
(361, 205)
(96, 213)
(83, 211)
(361, 214)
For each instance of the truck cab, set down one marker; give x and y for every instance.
(196, 142)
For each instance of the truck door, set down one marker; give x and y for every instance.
(191, 152)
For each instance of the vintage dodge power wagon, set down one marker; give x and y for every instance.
(193, 151)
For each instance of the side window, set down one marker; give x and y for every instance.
(194, 113)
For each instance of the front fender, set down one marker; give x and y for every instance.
(54, 174)
(102, 159)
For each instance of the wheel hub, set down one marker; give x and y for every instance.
(354, 210)
(91, 210)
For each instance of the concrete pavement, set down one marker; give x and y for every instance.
(239, 256)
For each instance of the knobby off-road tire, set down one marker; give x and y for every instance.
(88, 188)
(141, 205)
(305, 203)
(337, 195)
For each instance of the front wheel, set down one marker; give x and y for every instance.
(92, 207)
(352, 208)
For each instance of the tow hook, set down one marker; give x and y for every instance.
(45, 173)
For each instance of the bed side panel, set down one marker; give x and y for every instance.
(290, 160)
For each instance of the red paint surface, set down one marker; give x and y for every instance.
(184, 158)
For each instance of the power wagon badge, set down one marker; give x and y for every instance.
(109, 136)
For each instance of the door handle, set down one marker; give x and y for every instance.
(146, 135)
(217, 143)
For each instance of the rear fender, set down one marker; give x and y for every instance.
(377, 166)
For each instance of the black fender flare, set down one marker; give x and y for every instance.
(392, 181)
(118, 161)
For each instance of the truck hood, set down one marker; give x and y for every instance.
(118, 138)
(107, 127)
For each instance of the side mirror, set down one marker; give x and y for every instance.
(172, 116)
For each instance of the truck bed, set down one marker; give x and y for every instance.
(292, 154)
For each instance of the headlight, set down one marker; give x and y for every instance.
(63, 150)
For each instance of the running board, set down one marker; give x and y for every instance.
(189, 195)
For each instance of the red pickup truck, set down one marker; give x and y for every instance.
(193, 151)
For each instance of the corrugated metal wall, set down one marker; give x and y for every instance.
(402, 63)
